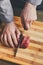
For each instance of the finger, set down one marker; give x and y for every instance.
(24, 23)
(17, 33)
(5, 40)
(2, 38)
(14, 39)
(9, 39)
(30, 22)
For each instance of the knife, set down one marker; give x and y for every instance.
(19, 43)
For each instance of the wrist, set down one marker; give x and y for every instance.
(10, 23)
(29, 4)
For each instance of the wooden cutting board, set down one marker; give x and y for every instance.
(33, 55)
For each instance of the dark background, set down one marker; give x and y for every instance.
(40, 7)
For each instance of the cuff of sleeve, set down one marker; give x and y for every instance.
(7, 20)
(35, 2)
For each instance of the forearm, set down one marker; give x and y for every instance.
(6, 12)
(35, 2)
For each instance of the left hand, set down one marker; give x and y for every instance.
(10, 35)
(28, 15)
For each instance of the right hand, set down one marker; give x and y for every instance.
(28, 15)
(10, 35)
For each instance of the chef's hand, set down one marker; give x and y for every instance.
(10, 35)
(28, 15)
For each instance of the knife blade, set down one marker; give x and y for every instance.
(19, 43)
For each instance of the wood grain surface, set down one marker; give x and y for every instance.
(33, 55)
